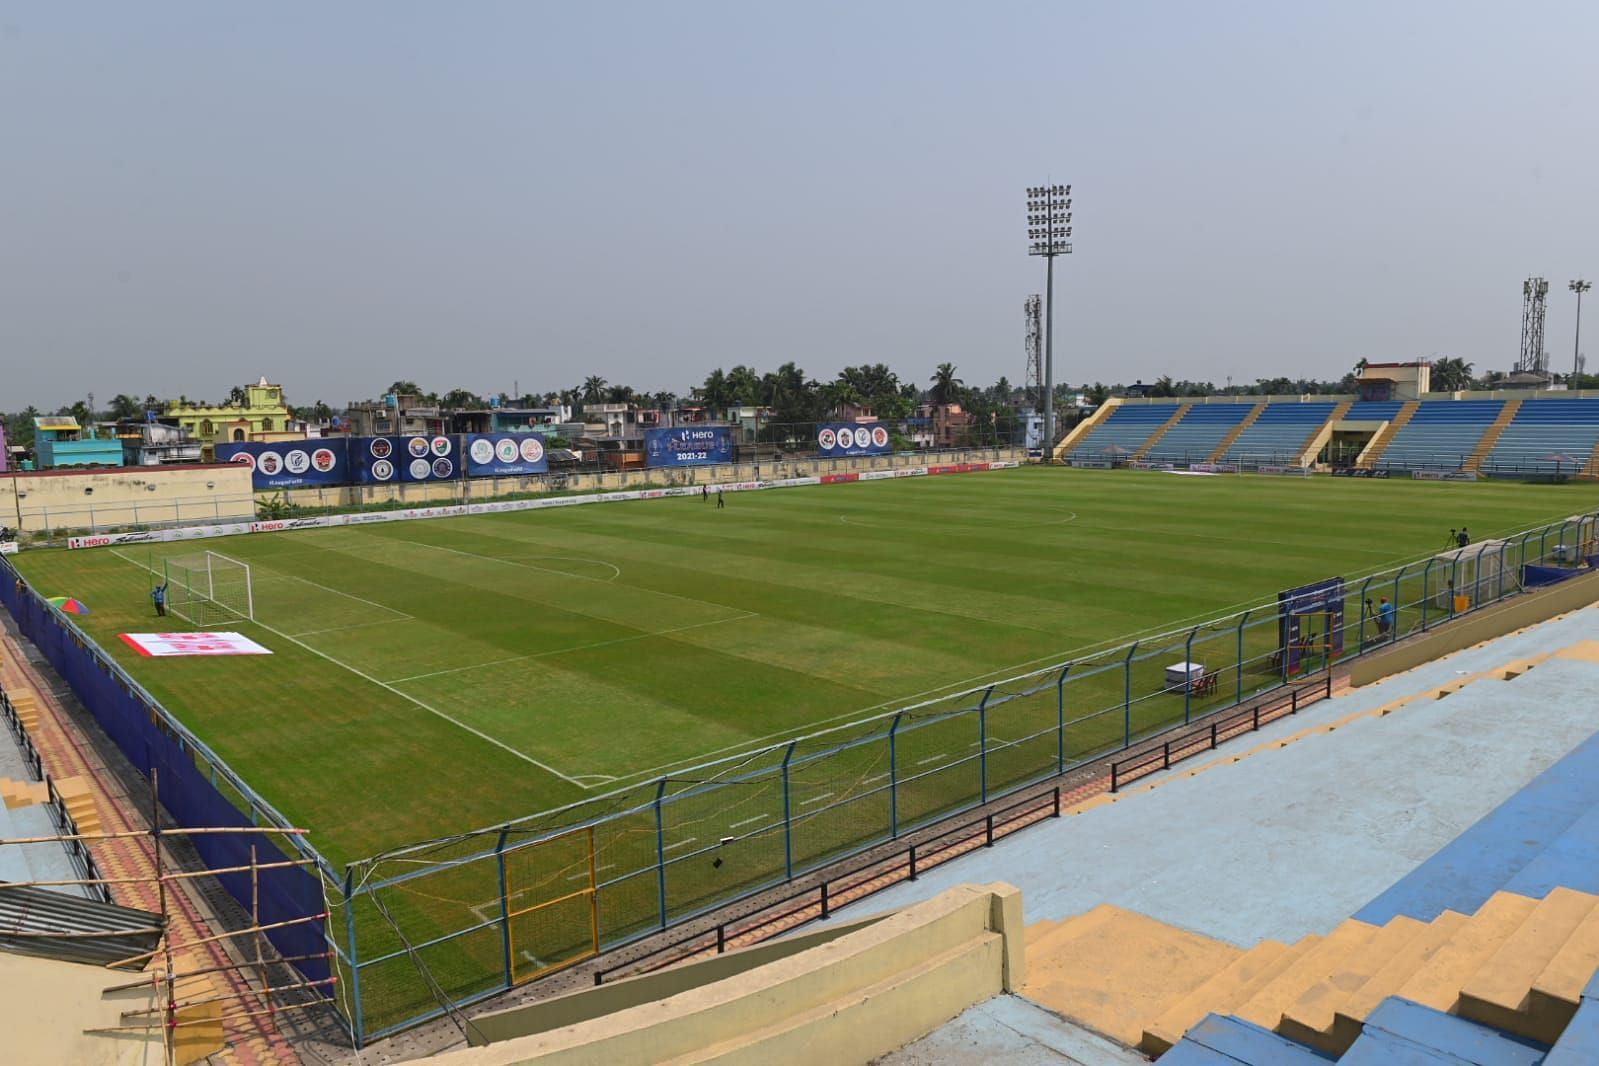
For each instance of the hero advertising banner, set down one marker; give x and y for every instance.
(291, 464)
(839, 439)
(504, 454)
(387, 460)
(688, 446)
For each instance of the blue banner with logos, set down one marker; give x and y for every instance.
(837, 439)
(390, 460)
(504, 454)
(688, 446)
(293, 464)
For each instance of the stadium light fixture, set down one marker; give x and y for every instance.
(1049, 232)
(1579, 287)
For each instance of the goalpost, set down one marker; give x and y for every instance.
(209, 589)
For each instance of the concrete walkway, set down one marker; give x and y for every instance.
(1292, 840)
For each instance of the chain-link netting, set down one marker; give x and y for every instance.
(436, 925)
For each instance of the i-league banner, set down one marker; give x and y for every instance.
(839, 439)
(291, 464)
(504, 454)
(387, 460)
(688, 446)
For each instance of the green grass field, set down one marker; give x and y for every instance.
(436, 676)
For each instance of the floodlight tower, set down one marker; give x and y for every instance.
(1049, 231)
(1579, 287)
(1534, 359)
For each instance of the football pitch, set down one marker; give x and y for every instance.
(431, 677)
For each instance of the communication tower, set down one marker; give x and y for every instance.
(1533, 358)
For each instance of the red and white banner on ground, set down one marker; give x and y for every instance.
(164, 644)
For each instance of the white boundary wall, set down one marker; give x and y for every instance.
(231, 529)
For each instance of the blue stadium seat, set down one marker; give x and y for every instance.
(1544, 428)
(1223, 1039)
(1123, 432)
(1199, 433)
(1398, 1025)
(1441, 436)
(1279, 434)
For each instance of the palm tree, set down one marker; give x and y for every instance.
(1451, 375)
(593, 388)
(946, 386)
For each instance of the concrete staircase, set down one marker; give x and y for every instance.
(1491, 436)
(1083, 429)
(1237, 431)
(1379, 443)
(1154, 438)
(1318, 440)
(1518, 965)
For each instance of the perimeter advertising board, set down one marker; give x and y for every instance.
(291, 464)
(836, 440)
(387, 460)
(504, 454)
(688, 446)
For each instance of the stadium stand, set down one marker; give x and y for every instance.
(1279, 434)
(1124, 432)
(1543, 429)
(1199, 433)
(1441, 436)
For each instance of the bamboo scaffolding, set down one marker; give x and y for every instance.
(182, 875)
(246, 991)
(80, 934)
(129, 834)
(229, 968)
(203, 1021)
(222, 936)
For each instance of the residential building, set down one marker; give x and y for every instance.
(1379, 382)
(59, 441)
(396, 415)
(157, 444)
(263, 412)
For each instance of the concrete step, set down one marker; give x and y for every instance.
(1148, 964)
(1579, 1044)
(1309, 1019)
(1499, 993)
(1446, 1034)
(1570, 860)
(1437, 984)
(1265, 1008)
(1349, 1016)
(1239, 1041)
(1377, 1048)
(1231, 985)
(1573, 966)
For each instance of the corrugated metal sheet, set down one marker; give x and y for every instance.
(26, 911)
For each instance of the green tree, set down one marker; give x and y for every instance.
(594, 389)
(1451, 375)
(124, 407)
(947, 388)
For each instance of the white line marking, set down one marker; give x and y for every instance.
(816, 799)
(750, 821)
(874, 780)
(580, 647)
(940, 757)
(679, 844)
(561, 573)
(363, 675)
(354, 625)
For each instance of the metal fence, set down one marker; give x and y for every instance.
(431, 927)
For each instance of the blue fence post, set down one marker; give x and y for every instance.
(357, 1023)
(1242, 621)
(1060, 719)
(1188, 687)
(1426, 591)
(982, 745)
(660, 848)
(788, 816)
(1127, 696)
(893, 777)
(1365, 601)
(1398, 603)
(505, 908)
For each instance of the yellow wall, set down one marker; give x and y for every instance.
(263, 412)
(148, 495)
(851, 999)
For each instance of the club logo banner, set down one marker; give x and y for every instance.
(836, 440)
(291, 464)
(504, 454)
(387, 460)
(688, 446)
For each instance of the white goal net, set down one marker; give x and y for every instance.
(209, 589)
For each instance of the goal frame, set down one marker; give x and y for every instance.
(198, 594)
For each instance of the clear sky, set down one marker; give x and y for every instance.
(338, 195)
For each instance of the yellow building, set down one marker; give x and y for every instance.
(263, 416)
